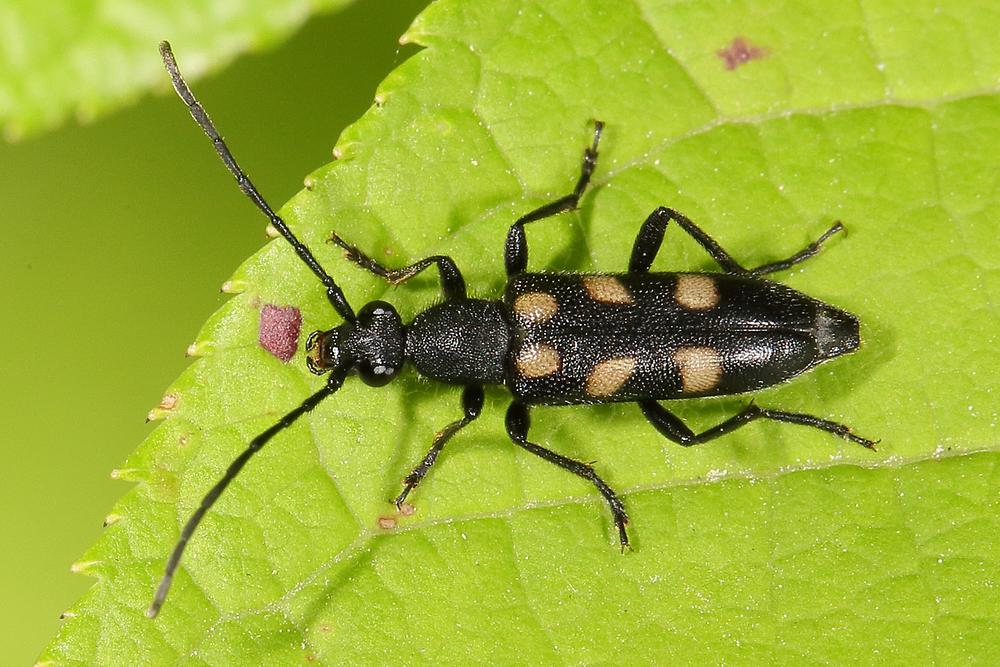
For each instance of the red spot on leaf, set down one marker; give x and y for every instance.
(279, 330)
(740, 52)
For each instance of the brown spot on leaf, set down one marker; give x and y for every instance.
(279, 330)
(740, 52)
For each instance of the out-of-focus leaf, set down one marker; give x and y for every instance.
(88, 58)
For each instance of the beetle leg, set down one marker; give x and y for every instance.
(452, 283)
(800, 256)
(518, 422)
(472, 405)
(674, 429)
(516, 247)
(650, 238)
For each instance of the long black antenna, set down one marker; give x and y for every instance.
(332, 385)
(333, 292)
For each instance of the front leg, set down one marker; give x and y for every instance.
(472, 405)
(452, 283)
(516, 248)
(518, 422)
(650, 238)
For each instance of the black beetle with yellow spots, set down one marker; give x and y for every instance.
(563, 338)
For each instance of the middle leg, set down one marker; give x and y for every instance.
(518, 422)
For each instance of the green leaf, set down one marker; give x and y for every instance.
(88, 58)
(775, 543)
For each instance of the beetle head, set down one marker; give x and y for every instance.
(374, 344)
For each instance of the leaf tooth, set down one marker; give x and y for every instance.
(87, 567)
(200, 348)
(233, 287)
(166, 407)
(129, 474)
(345, 150)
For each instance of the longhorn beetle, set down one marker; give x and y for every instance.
(564, 338)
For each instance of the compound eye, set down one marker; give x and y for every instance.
(322, 351)
(375, 374)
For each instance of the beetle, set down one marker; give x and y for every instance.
(564, 338)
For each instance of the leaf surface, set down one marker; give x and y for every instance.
(775, 542)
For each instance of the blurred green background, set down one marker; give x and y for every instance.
(117, 236)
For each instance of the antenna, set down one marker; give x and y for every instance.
(333, 291)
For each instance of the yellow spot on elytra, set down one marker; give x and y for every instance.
(537, 360)
(607, 289)
(535, 306)
(609, 376)
(700, 368)
(696, 291)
